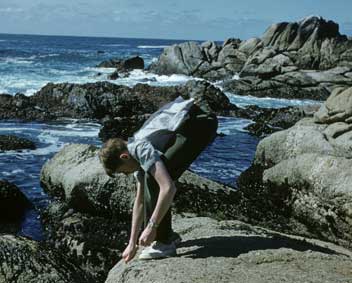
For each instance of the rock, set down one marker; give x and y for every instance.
(26, 261)
(123, 127)
(73, 175)
(13, 205)
(184, 58)
(10, 142)
(268, 121)
(91, 217)
(288, 86)
(337, 108)
(123, 64)
(228, 251)
(93, 243)
(304, 59)
(104, 100)
(207, 60)
(309, 164)
(113, 76)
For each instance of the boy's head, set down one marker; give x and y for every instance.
(115, 157)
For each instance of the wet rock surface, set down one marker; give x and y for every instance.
(104, 100)
(13, 205)
(268, 121)
(26, 261)
(10, 142)
(232, 251)
(123, 65)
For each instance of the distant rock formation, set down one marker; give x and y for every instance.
(304, 59)
(207, 60)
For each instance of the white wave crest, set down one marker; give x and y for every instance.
(115, 45)
(267, 102)
(152, 46)
(229, 125)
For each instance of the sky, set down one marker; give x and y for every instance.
(169, 19)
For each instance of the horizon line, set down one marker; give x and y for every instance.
(116, 37)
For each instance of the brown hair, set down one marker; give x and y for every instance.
(109, 154)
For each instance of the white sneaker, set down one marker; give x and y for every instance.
(158, 250)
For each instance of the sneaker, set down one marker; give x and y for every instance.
(158, 250)
(175, 238)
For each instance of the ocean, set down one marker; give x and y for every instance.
(28, 62)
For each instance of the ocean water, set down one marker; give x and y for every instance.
(27, 63)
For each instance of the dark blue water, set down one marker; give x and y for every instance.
(29, 62)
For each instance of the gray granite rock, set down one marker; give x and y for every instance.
(310, 164)
(232, 251)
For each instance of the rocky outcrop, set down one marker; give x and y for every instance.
(90, 218)
(310, 163)
(26, 261)
(232, 251)
(104, 100)
(267, 120)
(207, 60)
(123, 65)
(10, 142)
(304, 59)
(13, 205)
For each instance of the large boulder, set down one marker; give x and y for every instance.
(310, 164)
(13, 205)
(232, 251)
(76, 176)
(207, 60)
(10, 142)
(26, 261)
(90, 218)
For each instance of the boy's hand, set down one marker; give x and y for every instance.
(129, 252)
(147, 236)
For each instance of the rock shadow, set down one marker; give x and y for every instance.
(233, 246)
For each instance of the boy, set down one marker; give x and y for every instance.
(167, 143)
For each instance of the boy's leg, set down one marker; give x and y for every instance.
(151, 194)
(191, 139)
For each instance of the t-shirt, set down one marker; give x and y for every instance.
(146, 144)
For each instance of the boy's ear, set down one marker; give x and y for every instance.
(124, 156)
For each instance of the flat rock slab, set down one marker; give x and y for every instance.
(232, 251)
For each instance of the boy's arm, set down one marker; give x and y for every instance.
(166, 195)
(137, 214)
